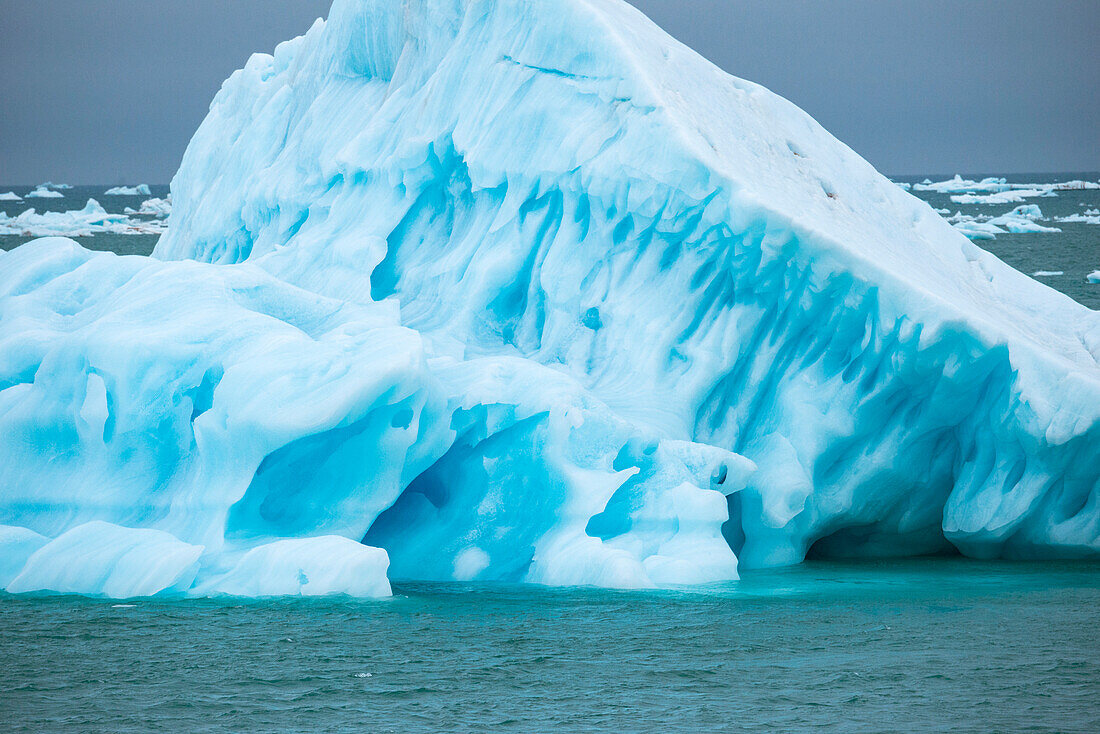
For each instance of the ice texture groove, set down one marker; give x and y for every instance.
(529, 291)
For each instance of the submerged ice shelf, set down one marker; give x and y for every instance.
(528, 291)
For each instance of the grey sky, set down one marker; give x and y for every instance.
(106, 91)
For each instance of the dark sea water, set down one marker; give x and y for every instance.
(924, 645)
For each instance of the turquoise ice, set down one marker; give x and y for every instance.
(527, 291)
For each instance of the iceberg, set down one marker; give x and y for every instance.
(44, 192)
(527, 291)
(10, 196)
(139, 190)
(1093, 277)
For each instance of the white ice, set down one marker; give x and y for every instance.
(91, 220)
(139, 190)
(44, 192)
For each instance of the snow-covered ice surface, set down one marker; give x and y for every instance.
(10, 196)
(529, 291)
(139, 190)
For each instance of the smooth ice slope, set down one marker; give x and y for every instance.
(528, 291)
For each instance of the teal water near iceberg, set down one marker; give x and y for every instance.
(922, 645)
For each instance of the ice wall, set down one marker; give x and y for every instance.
(530, 291)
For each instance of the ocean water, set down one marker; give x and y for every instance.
(933, 644)
(920, 645)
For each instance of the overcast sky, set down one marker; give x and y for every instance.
(110, 91)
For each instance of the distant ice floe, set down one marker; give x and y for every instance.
(1093, 277)
(153, 207)
(10, 196)
(1046, 273)
(1003, 197)
(998, 190)
(59, 187)
(44, 192)
(903, 185)
(1091, 216)
(1021, 220)
(91, 220)
(139, 190)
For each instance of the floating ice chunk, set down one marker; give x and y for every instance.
(152, 208)
(1046, 273)
(959, 185)
(1093, 277)
(45, 193)
(10, 196)
(1003, 197)
(1027, 211)
(904, 186)
(1022, 220)
(139, 190)
(321, 566)
(1090, 216)
(102, 559)
(976, 230)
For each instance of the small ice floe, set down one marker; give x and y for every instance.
(10, 196)
(363, 675)
(59, 187)
(139, 190)
(1046, 273)
(123, 606)
(1091, 216)
(1023, 220)
(1003, 197)
(153, 208)
(44, 192)
(975, 230)
(960, 185)
(1093, 277)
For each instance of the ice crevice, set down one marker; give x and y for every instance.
(585, 319)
